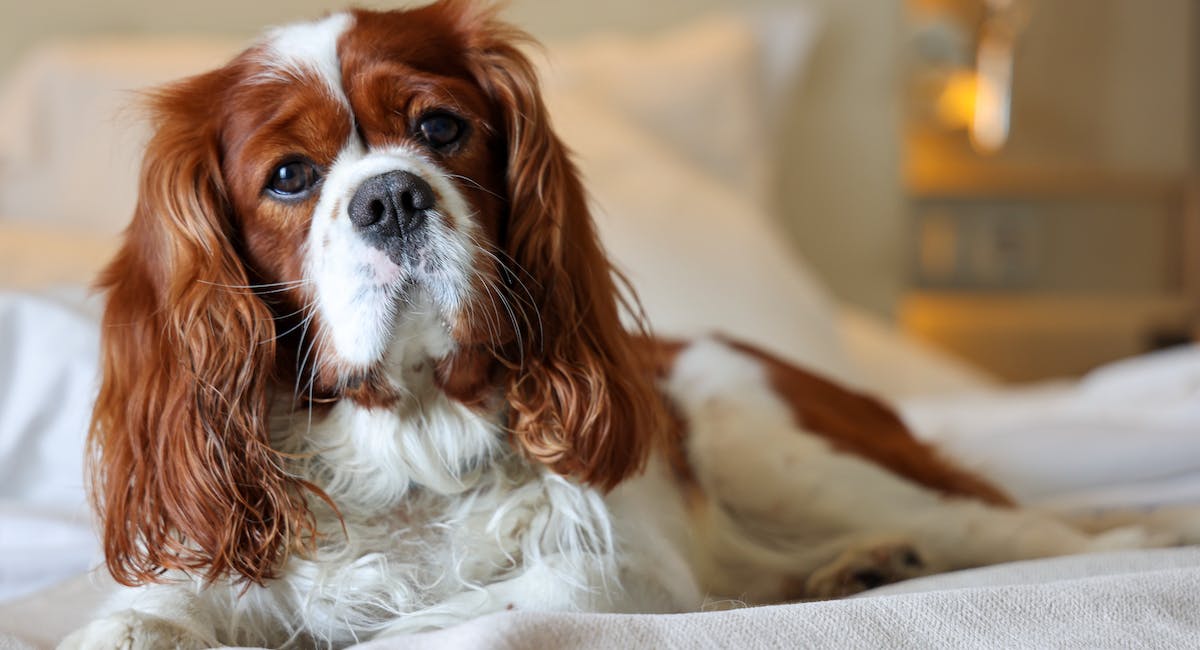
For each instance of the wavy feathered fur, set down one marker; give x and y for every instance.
(577, 402)
(181, 468)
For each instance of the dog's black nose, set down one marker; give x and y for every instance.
(390, 206)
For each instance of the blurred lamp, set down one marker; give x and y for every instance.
(973, 63)
(993, 73)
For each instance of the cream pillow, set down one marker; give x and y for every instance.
(713, 89)
(71, 137)
(34, 257)
(702, 257)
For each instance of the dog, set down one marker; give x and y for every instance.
(365, 374)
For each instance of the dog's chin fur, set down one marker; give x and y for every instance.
(305, 437)
(368, 299)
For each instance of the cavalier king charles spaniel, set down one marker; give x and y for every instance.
(364, 374)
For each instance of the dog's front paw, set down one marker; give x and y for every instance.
(132, 630)
(866, 566)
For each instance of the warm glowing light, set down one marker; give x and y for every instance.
(979, 99)
(956, 103)
(979, 103)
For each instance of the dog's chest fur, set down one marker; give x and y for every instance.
(431, 502)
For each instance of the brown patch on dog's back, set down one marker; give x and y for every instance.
(851, 422)
(862, 425)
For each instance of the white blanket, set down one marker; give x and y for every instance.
(1130, 600)
(1147, 599)
(48, 352)
(1127, 435)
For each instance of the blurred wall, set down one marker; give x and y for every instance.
(840, 179)
(840, 193)
(1078, 242)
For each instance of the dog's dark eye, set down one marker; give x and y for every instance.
(440, 129)
(293, 179)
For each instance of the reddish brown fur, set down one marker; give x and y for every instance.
(181, 468)
(575, 402)
(862, 425)
(851, 422)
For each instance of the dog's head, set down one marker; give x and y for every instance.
(344, 195)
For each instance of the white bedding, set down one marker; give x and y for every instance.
(1125, 435)
(1148, 599)
(48, 352)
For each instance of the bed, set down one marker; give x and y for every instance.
(1126, 436)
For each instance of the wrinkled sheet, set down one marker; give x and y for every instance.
(1136, 599)
(1129, 600)
(49, 345)
(1126, 435)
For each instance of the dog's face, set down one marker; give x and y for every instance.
(368, 190)
(365, 169)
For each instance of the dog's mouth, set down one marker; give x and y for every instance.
(396, 305)
(382, 270)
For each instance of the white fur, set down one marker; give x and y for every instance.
(300, 50)
(362, 296)
(787, 505)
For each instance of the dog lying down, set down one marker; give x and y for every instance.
(364, 374)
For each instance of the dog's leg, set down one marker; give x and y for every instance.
(790, 521)
(777, 494)
(870, 563)
(185, 614)
(752, 565)
(965, 533)
(146, 618)
(1179, 522)
(133, 630)
(554, 584)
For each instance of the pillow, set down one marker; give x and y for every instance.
(713, 89)
(71, 138)
(702, 258)
(897, 366)
(34, 258)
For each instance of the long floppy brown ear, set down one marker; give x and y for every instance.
(181, 471)
(581, 402)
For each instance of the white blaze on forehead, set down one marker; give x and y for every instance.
(306, 48)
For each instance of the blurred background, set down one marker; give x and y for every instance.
(1050, 152)
(1013, 181)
